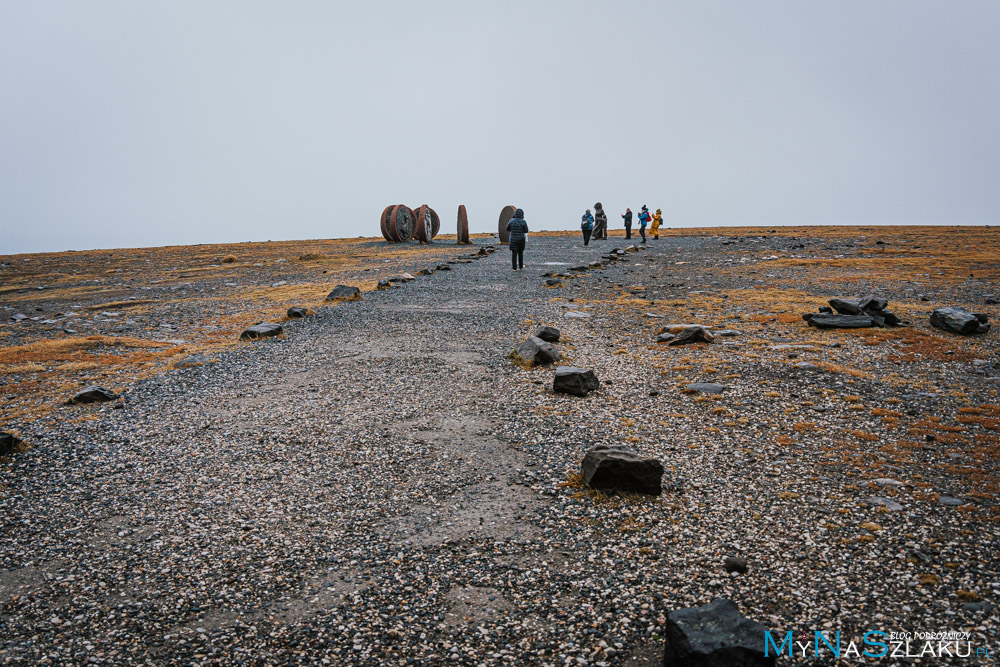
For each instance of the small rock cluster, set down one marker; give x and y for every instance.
(860, 313)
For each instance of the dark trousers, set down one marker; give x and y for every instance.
(586, 236)
(517, 254)
(628, 231)
(642, 231)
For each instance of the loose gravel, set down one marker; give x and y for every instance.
(382, 486)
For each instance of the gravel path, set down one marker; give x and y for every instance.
(382, 486)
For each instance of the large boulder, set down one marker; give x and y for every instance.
(296, 311)
(714, 635)
(575, 381)
(262, 330)
(824, 321)
(536, 352)
(960, 321)
(344, 293)
(548, 334)
(620, 469)
(93, 394)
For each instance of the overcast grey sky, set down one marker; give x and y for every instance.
(133, 123)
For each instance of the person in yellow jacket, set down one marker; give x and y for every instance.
(655, 227)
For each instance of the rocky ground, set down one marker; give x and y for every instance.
(382, 486)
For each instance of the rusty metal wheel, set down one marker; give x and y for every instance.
(383, 223)
(435, 222)
(506, 213)
(463, 225)
(400, 223)
(423, 228)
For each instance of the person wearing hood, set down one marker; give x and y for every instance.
(518, 229)
(587, 226)
(627, 217)
(600, 222)
(657, 221)
(644, 219)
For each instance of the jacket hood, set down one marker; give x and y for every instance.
(519, 214)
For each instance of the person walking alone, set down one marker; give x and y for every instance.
(600, 222)
(587, 226)
(627, 217)
(643, 221)
(657, 221)
(518, 229)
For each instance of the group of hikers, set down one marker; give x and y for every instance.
(596, 226)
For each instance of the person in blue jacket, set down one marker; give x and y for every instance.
(644, 219)
(518, 229)
(587, 226)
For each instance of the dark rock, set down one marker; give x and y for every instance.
(537, 352)
(425, 272)
(992, 301)
(575, 381)
(548, 334)
(665, 337)
(383, 284)
(960, 321)
(948, 501)
(823, 321)
(976, 607)
(714, 635)
(8, 441)
(552, 282)
(889, 317)
(93, 394)
(706, 387)
(735, 564)
(870, 303)
(619, 469)
(826, 309)
(693, 334)
(262, 330)
(578, 268)
(443, 267)
(846, 306)
(344, 293)
(297, 311)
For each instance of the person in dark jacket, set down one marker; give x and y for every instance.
(518, 229)
(587, 226)
(627, 217)
(644, 219)
(600, 222)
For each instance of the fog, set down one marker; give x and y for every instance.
(138, 124)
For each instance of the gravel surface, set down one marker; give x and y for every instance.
(382, 486)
